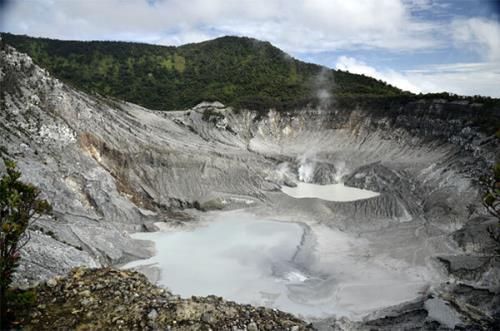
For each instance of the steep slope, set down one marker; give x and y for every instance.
(108, 166)
(111, 168)
(236, 71)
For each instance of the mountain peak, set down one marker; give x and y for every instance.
(237, 71)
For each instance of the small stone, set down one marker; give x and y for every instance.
(294, 328)
(153, 314)
(85, 293)
(52, 282)
(207, 318)
(85, 302)
(252, 327)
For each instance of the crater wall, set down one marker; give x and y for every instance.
(111, 168)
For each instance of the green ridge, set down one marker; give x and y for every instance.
(237, 71)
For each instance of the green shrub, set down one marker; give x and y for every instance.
(20, 206)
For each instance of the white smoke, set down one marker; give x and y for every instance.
(308, 164)
(283, 170)
(306, 172)
(323, 85)
(306, 169)
(282, 174)
(340, 170)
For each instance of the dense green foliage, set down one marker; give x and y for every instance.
(491, 199)
(241, 72)
(19, 207)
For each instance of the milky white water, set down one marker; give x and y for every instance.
(308, 270)
(332, 192)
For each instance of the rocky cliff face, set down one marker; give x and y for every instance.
(111, 168)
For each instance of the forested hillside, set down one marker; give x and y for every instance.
(237, 71)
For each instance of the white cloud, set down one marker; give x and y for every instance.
(296, 25)
(422, 5)
(390, 76)
(460, 78)
(480, 35)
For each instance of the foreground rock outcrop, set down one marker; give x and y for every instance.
(109, 299)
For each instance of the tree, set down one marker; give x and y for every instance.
(491, 199)
(20, 206)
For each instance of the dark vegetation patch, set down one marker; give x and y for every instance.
(240, 72)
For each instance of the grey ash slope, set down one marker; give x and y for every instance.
(111, 168)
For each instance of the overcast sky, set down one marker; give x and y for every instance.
(417, 45)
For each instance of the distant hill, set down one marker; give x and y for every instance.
(237, 71)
